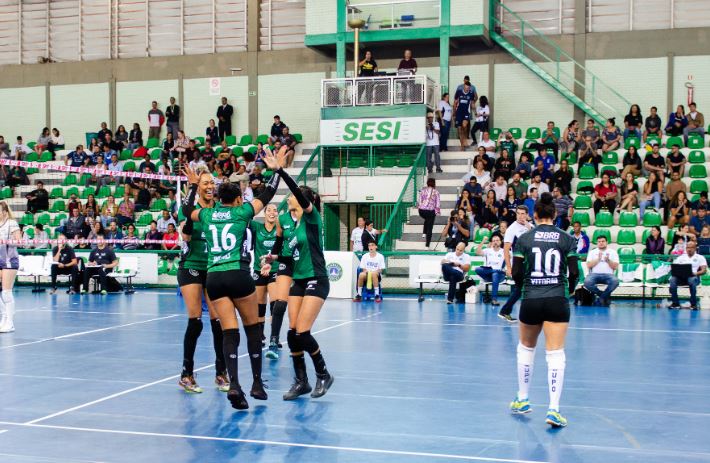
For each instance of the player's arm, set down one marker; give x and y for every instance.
(506, 257)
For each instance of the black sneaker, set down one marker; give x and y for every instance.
(694, 307)
(257, 390)
(439, 171)
(507, 317)
(357, 298)
(237, 398)
(674, 307)
(298, 388)
(323, 383)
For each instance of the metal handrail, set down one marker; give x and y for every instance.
(351, 97)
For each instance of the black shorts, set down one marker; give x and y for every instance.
(460, 117)
(189, 276)
(285, 267)
(546, 309)
(315, 286)
(234, 284)
(261, 280)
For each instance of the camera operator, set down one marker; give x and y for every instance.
(457, 230)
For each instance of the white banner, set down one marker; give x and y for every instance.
(341, 268)
(373, 131)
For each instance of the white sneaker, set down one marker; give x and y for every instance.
(423, 235)
(7, 327)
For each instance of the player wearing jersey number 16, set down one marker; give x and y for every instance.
(542, 259)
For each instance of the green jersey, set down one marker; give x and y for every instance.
(288, 227)
(306, 247)
(193, 254)
(228, 236)
(545, 249)
(264, 241)
(510, 146)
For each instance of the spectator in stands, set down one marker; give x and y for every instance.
(675, 185)
(111, 143)
(651, 196)
(611, 136)
(106, 154)
(679, 209)
(16, 175)
(102, 261)
(699, 267)
(170, 238)
(523, 168)
(93, 158)
(109, 211)
(64, 262)
(95, 174)
(227, 166)
(653, 124)
(504, 165)
(94, 142)
(277, 128)
(602, 262)
(488, 144)
(699, 221)
(147, 163)
(20, 150)
(550, 139)
(677, 121)
(500, 230)
(629, 193)
(369, 235)
(475, 191)
(288, 140)
(224, 116)
(483, 156)
(571, 138)
(655, 244)
(37, 199)
(44, 138)
(681, 238)
(592, 132)
(654, 162)
(548, 162)
(489, 212)
(464, 202)
(676, 161)
(563, 206)
(433, 130)
(4, 148)
(506, 141)
(367, 68)
(492, 269)
(538, 184)
(696, 123)
(181, 145)
(588, 155)
(155, 121)
(131, 236)
(165, 220)
(509, 206)
(457, 230)
(605, 194)
(135, 138)
(531, 199)
(429, 205)
(101, 134)
(483, 113)
(115, 167)
(483, 178)
(91, 208)
(142, 196)
(454, 267)
(704, 241)
(41, 235)
(408, 67)
(197, 163)
(172, 117)
(356, 236)
(75, 223)
(631, 162)
(121, 137)
(126, 210)
(633, 122)
(153, 234)
(702, 201)
(520, 187)
(499, 187)
(562, 178)
(444, 107)
(168, 152)
(581, 237)
(56, 142)
(114, 233)
(164, 187)
(96, 229)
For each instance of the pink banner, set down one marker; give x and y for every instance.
(89, 170)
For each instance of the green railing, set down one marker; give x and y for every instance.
(407, 198)
(510, 30)
(366, 160)
(308, 176)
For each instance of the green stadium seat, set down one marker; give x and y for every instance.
(585, 187)
(571, 158)
(199, 141)
(612, 171)
(406, 161)
(532, 133)
(69, 180)
(652, 219)
(238, 151)
(645, 235)
(152, 143)
(388, 162)
(530, 145)
(104, 192)
(695, 141)
(89, 190)
(263, 139)
(675, 141)
(173, 268)
(670, 235)
(57, 192)
(46, 156)
(495, 133)
(610, 158)
(32, 145)
(582, 202)
(698, 186)
(129, 166)
(144, 220)
(632, 141)
(653, 139)
(120, 190)
(30, 232)
(43, 219)
(217, 150)
(628, 219)
(336, 164)
(601, 232)
(627, 254)
(480, 234)
(355, 162)
(516, 132)
(83, 179)
(626, 237)
(155, 153)
(57, 220)
(6, 193)
(696, 157)
(698, 171)
(27, 219)
(58, 206)
(246, 140)
(298, 137)
(162, 266)
(126, 155)
(604, 219)
(158, 205)
(587, 172)
(32, 157)
(582, 218)
(231, 140)
(71, 191)
(32, 171)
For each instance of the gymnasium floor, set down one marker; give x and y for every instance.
(88, 379)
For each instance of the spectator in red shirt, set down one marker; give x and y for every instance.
(170, 235)
(605, 194)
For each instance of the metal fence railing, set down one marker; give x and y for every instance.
(369, 160)
(378, 90)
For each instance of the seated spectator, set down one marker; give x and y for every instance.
(287, 140)
(93, 157)
(651, 195)
(523, 168)
(562, 178)
(37, 199)
(208, 156)
(132, 237)
(483, 156)
(114, 233)
(675, 185)
(56, 142)
(500, 230)
(700, 220)
(96, 229)
(509, 206)
(16, 175)
(679, 209)
(571, 138)
(454, 268)
(629, 193)
(371, 266)
(592, 132)
(64, 262)
(164, 187)
(653, 124)
(44, 138)
(631, 162)
(520, 187)
(197, 163)
(487, 144)
(504, 165)
(681, 238)
(581, 237)
(169, 152)
(702, 201)
(506, 141)
(704, 241)
(101, 134)
(531, 200)
(147, 163)
(492, 269)
(121, 137)
(655, 244)
(40, 235)
(142, 197)
(605, 195)
(563, 207)
(226, 166)
(489, 212)
(611, 136)
(475, 191)
(699, 267)
(654, 162)
(75, 223)
(538, 184)
(4, 148)
(165, 220)
(676, 161)
(135, 138)
(548, 161)
(633, 122)
(549, 139)
(170, 238)
(112, 144)
(483, 178)
(115, 166)
(457, 230)
(181, 144)
(588, 155)
(602, 262)
(91, 208)
(20, 150)
(499, 187)
(109, 211)
(153, 234)
(97, 176)
(677, 121)
(544, 174)
(696, 123)
(102, 261)
(276, 130)
(212, 134)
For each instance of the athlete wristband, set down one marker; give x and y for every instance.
(270, 190)
(188, 205)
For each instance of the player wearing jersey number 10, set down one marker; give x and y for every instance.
(229, 281)
(542, 259)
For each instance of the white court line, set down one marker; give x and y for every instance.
(279, 443)
(153, 383)
(99, 330)
(88, 312)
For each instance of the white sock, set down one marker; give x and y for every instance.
(377, 290)
(526, 360)
(9, 303)
(555, 376)
(359, 290)
(3, 313)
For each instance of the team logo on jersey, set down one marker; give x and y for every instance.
(335, 271)
(193, 272)
(255, 276)
(282, 267)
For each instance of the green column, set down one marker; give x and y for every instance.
(444, 46)
(341, 16)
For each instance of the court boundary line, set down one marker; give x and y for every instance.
(81, 333)
(163, 380)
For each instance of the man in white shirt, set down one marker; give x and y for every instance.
(699, 268)
(488, 144)
(514, 231)
(492, 268)
(432, 144)
(454, 267)
(537, 183)
(500, 187)
(356, 236)
(602, 263)
(164, 221)
(19, 150)
(371, 266)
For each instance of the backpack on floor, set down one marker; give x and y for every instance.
(112, 285)
(582, 296)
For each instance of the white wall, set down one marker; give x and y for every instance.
(699, 68)
(294, 97)
(199, 106)
(133, 101)
(321, 17)
(23, 113)
(77, 109)
(478, 74)
(466, 12)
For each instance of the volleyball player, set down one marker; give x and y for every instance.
(512, 233)
(303, 241)
(9, 263)
(543, 256)
(463, 102)
(229, 280)
(192, 280)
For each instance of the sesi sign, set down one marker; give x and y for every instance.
(375, 131)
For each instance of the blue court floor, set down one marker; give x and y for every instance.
(93, 379)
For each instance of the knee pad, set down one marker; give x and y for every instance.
(526, 355)
(262, 310)
(7, 297)
(556, 358)
(308, 342)
(293, 341)
(194, 327)
(279, 308)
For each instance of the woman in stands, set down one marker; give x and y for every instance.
(655, 244)
(652, 190)
(611, 136)
(680, 210)
(542, 259)
(192, 280)
(9, 263)
(629, 193)
(229, 280)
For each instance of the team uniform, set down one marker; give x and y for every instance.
(305, 245)
(463, 110)
(288, 228)
(192, 268)
(9, 258)
(514, 231)
(264, 241)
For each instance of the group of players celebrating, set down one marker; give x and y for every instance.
(289, 267)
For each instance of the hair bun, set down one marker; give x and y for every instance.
(546, 198)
